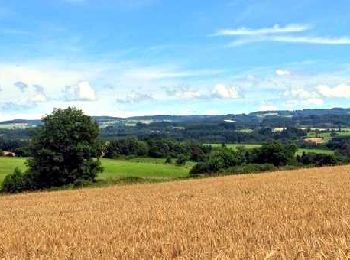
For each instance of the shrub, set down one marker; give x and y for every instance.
(275, 153)
(181, 160)
(168, 160)
(15, 182)
(317, 159)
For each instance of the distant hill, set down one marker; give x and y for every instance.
(305, 117)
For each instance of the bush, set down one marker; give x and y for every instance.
(168, 160)
(275, 153)
(317, 159)
(15, 182)
(181, 160)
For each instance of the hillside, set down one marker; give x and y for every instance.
(288, 215)
(299, 118)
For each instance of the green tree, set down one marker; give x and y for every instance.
(64, 150)
(275, 153)
(14, 183)
(181, 159)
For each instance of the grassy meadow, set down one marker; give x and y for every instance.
(234, 146)
(314, 150)
(140, 167)
(302, 214)
(252, 146)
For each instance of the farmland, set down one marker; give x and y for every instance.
(142, 167)
(252, 146)
(283, 215)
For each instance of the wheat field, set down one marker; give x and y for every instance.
(301, 214)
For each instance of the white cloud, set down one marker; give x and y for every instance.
(300, 92)
(340, 91)
(225, 92)
(304, 97)
(277, 33)
(276, 29)
(135, 98)
(282, 73)
(311, 40)
(81, 92)
(159, 73)
(184, 93)
(39, 95)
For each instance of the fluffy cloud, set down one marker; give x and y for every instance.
(81, 92)
(225, 92)
(39, 95)
(340, 91)
(305, 97)
(21, 86)
(134, 98)
(184, 93)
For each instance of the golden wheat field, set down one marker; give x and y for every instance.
(303, 214)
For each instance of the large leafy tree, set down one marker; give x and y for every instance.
(64, 150)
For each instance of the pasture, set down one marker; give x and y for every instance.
(326, 135)
(141, 167)
(252, 146)
(302, 214)
(314, 150)
(235, 146)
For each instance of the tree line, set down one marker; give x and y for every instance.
(156, 148)
(269, 156)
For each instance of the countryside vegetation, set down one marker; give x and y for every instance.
(69, 149)
(171, 210)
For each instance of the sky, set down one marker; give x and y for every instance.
(144, 57)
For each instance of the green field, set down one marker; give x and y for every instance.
(252, 146)
(234, 146)
(317, 151)
(327, 135)
(140, 167)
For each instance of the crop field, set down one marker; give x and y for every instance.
(303, 214)
(144, 167)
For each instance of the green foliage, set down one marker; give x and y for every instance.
(156, 148)
(245, 160)
(63, 150)
(126, 147)
(15, 182)
(317, 159)
(168, 160)
(218, 160)
(275, 153)
(181, 160)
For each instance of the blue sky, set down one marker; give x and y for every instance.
(140, 57)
